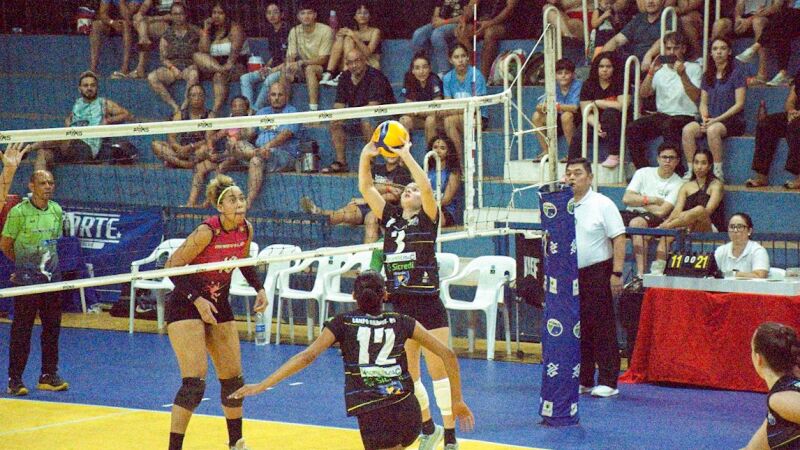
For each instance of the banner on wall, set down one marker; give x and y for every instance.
(561, 351)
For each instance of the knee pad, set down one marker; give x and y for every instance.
(441, 392)
(191, 393)
(229, 386)
(421, 394)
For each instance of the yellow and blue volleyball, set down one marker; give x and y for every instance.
(389, 136)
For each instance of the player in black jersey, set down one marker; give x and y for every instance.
(378, 387)
(412, 280)
(776, 355)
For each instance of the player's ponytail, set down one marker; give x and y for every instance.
(369, 292)
(779, 346)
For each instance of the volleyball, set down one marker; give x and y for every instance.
(388, 136)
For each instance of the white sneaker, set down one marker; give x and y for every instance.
(585, 389)
(326, 78)
(604, 391)
(781, 79)
(431, 441)
(451, 446)
(239, 445)
(335, 82)
(747, 56)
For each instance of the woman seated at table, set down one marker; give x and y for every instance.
(745, 258)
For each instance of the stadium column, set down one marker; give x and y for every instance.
(558, 402)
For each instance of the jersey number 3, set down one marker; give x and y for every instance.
(399, 240)
(366, 337)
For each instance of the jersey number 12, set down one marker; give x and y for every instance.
(366, 336)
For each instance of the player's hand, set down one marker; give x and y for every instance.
(616, 285)
(261, 301)
(15, 153)
(466, 420)
(404, 151)
(206, 310)
(370, 151)
(247, 390)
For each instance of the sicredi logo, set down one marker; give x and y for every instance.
(549, 210)
(554, 327)
(95, 230)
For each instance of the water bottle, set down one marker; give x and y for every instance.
(333, 22)
(261, 330)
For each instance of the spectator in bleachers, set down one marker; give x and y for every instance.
(363, 37)
(497, 20)
(722, 97)
(770, 131)
(691, 24)
(777, 38)
(390, 180)
(700, 202)
(570, 14)
(222, 150)
(439, 35)
(420, 84)
(750, 16)
(277, 148)
(650, 197)
(359, 85)
(451, 189)
(278, 41)
(458, 84)
(742, 257)
(88, 110)
(177, 48)
(181, 150)
(308, 52)
(150, 22)
(607, 20)
(568, 91)
(642, 35)
(604, 89)
(676, 86)
(104, 25)
(220, 52)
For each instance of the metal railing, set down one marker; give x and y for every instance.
(717, 8)
(585, 10)
(625, 104)
(591, 108)
(512, 57)
(669, 10)
(783, 248)
(547, 11)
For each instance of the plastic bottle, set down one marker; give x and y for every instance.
(762, 111)
(262, 338)
(333, 22)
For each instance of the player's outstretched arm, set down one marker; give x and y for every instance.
(366, 185)
(460, 409)
(295, 364)
(759, 439)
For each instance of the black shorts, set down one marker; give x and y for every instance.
(428, 310)
(393, 425)
(652, 220)
(177, 308)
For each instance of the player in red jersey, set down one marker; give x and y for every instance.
(199, 316)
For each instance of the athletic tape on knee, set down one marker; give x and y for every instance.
(421, 394)
(191, 393)
(441, 392)
(229, 386)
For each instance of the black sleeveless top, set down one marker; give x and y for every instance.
(375, 365)
(701, 198)
(409, 253)
(782, 434)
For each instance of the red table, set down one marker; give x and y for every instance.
(703, 338)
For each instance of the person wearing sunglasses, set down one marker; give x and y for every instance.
(744, 258)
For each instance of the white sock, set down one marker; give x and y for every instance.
(313, 106)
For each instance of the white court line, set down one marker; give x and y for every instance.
(297, 383)
(67, 422)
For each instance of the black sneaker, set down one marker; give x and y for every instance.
(52, 382)
(16, 388)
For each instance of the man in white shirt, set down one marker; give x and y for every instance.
(600, 241)
(677, 89)
(650, 197)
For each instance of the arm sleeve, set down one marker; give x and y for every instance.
(250, 274)
(760, 259)
(185, 287)
(336, 325)
(636, 183)
(612, 220)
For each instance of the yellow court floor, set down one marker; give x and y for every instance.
(34, 425)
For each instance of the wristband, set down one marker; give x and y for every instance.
(252, 278)
(558, 107)
(645, 200)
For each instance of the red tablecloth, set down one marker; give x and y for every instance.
(703, 338)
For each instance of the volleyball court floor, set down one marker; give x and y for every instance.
(121, 388)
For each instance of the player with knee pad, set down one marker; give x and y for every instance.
(190, 393)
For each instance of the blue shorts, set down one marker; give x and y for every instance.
(279, 161)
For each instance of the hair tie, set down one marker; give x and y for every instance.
(219, 198)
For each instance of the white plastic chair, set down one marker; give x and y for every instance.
(449, 264)
(494, 272)
(325, 264)
(240, 288)
(270, 281)
(332, 282)
(161, 286)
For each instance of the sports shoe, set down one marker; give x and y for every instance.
(781, 79)
(52, 382)
(746, 56)
(604, 391)
(16, 388)
(335, 81)
(326, 77)
(451, 446)
(239, 445)
(635, 284)
(585, 389)
(309, 206)
(611, 162)
(431, 441)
